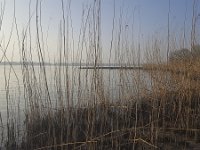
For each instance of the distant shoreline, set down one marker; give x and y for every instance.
(80, 65)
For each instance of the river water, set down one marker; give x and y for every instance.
(56, 86)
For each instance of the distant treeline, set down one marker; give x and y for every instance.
(185, 54)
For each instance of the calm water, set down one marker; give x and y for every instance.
(20, 86)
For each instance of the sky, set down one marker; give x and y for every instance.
(142, 22)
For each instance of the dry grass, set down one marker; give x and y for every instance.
(162, 116)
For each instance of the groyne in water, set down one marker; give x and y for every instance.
(111, 67)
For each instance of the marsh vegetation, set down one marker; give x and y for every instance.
(156, 106)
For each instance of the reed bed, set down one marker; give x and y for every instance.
(156, 106)
(167, 121)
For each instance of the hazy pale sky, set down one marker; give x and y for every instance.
(141, 21)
